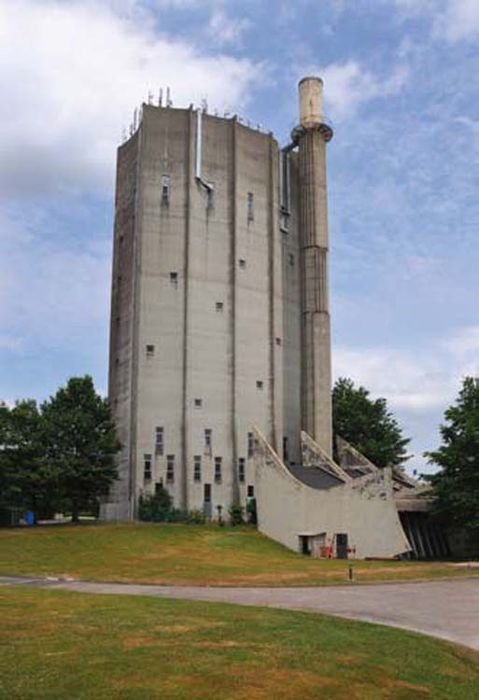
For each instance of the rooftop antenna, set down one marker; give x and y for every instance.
(150, 97)
(226, 114)
(204, 105)
(131, 130)
(160, 98)
(135, 118)
(216, 112)
(258, 126)
(123, 135)
(169, 102)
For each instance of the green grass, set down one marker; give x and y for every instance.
(59, 645)
(185, 554)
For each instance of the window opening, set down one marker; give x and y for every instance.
(150, 350)
(218, 461)
(291, 259)
(159, 443)
(165, 189)
(208, 440)
(198, 403)
(174, 277)
(242, 263)
(241, 469)
(147, 467)
(197, 468)
(219, 306)
(170, 469)
(250, 491)
(250, 444)
(259, 384)
(250, 207)
(278, 341)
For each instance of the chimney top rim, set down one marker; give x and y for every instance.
(311, 77)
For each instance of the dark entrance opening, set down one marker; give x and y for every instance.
(342, 546)
(285, 450)
(304, 545)
(207, 507)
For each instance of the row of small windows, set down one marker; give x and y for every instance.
(170, 468)
(208, 437)
(166, 190)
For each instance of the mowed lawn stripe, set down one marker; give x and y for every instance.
(186, 554)
(58, 644)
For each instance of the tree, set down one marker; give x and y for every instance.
(27, 481)
(456, 484)
(367, 424)
(82, 443)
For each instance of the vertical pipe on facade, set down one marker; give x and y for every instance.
(191, 142)
(271, 290)
(233, 282)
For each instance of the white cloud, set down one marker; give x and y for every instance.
(453, 20)
(348, 85)
(460, 20)
(70, 77)
(226, 30)
(407, 381)
(465, 343)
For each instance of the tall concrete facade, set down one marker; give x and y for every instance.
(219, 311)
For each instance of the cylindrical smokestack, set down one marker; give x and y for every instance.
(310, 101)
(311, 136)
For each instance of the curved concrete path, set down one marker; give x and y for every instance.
(446, 609)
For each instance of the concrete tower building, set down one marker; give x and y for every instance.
(219, 314)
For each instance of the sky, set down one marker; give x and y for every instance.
(401, 89)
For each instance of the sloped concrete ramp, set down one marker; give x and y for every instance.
(445, 609)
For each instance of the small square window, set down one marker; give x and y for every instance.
(291, 259)
(150, 350)
(219, 306)
(278, 341)
(259, 384)
(198, 403)
(242, 263)
(250, 491)
(174, 277)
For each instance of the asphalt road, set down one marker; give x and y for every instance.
(445, 609)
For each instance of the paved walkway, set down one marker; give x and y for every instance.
(445, 609)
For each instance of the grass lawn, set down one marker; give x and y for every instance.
(185, 554)
(59, 645)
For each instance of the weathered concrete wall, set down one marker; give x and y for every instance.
(204, 288)
(364, 509)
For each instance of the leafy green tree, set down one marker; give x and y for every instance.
(367, 424)
(27, 480)
(456, 484)
(81, 444)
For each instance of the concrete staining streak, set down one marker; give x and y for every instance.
(445, 609)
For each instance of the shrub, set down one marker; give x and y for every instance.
(236, 513)
(195, 517)
(156, 508)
